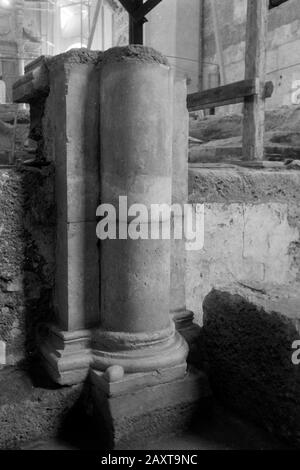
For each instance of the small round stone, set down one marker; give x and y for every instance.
(114, 373)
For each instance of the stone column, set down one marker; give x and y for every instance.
(136, 92)
(183, 318)
(139, 371)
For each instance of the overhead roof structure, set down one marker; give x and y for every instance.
(137, 11)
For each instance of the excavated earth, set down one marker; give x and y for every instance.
(221, 136)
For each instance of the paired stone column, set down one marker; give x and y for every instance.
(116, 325)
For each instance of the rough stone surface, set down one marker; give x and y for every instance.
(249, 353)
(134, 53)
(234, 185)
(26, 256)
(74, 56)
(29, 412)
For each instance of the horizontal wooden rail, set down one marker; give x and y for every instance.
(228, 94)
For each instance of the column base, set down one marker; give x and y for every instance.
(191, 332)
(141, 352)
(66, 355)
(143, 405)
(183, 318)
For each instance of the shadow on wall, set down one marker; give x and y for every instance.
(38, 262)
(249, 353)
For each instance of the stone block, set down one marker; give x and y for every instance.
(163, 408)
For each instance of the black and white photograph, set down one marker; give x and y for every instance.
(149, 229)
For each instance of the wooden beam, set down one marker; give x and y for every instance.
(94, 23)
(127, 4)
(145, 9)
(129, 7)
(136, 29)
(255, 67)
(227, 94)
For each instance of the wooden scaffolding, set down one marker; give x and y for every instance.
(252, 91)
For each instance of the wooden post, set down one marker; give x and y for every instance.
(219, 48)
(94, 24)
(136, 29)
(255, 68)
(201, 45)
(137, 10)
(12, 157)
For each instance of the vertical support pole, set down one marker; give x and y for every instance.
(218, 42)
(201, 43)
(94, 24)
(136, 29)
(81, 23)
(255, 67)
(13, 144)
(56, 29)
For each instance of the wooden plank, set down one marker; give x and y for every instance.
(145, 9)
(255, 67)
(94, 23)
(228, 94)
(220, 96)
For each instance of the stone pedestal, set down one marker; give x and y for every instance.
(141, 407)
